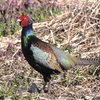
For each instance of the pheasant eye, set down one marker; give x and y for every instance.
(24, 18)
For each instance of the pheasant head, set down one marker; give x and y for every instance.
(25, 20)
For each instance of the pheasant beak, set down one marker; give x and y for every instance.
(18, 20)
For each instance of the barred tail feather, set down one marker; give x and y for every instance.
(89, 61)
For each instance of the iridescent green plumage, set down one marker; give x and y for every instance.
(25, 38)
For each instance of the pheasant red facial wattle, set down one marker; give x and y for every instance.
(46, 58)
(24, 20)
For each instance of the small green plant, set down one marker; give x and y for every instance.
(9, 12)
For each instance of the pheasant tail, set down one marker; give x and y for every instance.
(89, 61)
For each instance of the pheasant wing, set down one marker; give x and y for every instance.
(44, 55)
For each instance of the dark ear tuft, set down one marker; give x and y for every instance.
(33, 19)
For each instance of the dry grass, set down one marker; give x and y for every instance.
(78, 28)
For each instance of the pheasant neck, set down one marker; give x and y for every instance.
(27, 31)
